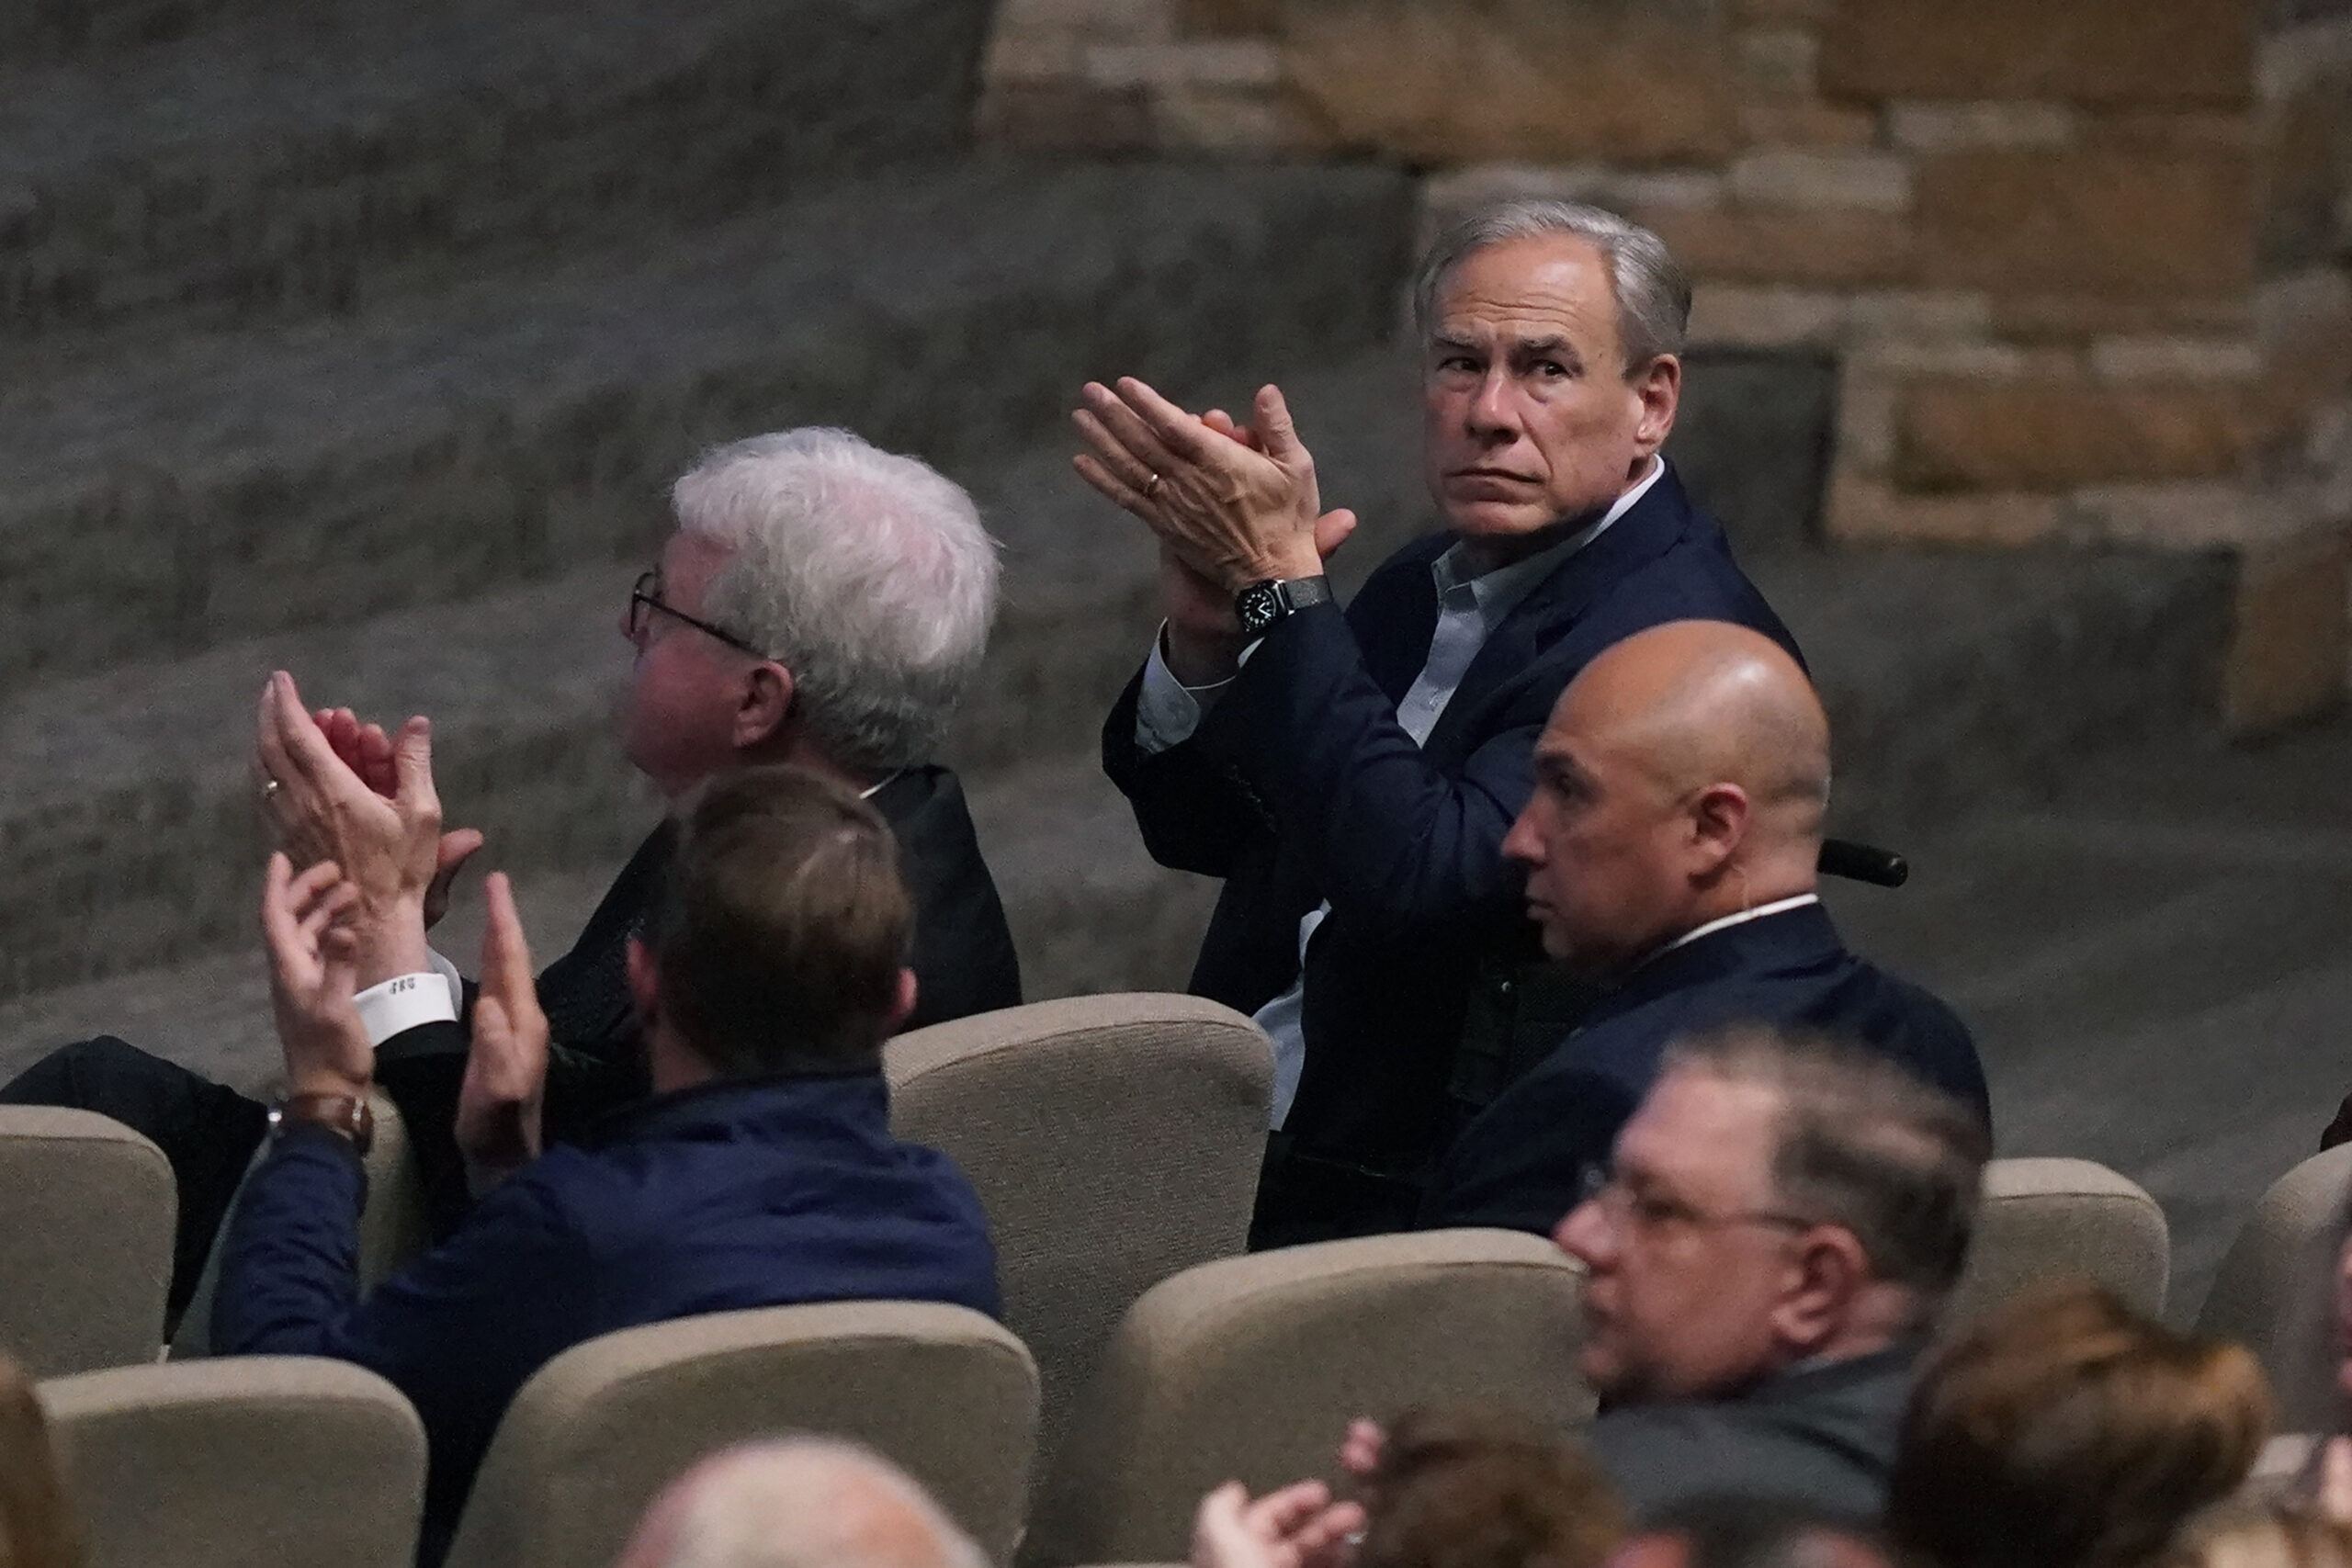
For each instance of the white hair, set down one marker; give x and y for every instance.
(866, 574)
(1652, 292)
(811, 1503)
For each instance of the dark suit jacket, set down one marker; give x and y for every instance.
(749, 1193)
(964, 963)
(1521, 1163)
(1299, 786)
(1822, 1439)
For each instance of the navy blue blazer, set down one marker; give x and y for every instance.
(1300, 785)
(1521, 1163)
(766, 1192)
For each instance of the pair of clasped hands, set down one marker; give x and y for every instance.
(1232, 505)
(356, 811)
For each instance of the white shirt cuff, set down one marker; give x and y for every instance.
(403, 1002)
(1167, 710)
(448, 971)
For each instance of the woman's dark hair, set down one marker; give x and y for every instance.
(1472, 1486)
(2064, 1430)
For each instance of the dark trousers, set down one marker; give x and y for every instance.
(1303, 1198)
(208, 1132)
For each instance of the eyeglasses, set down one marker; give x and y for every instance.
(646, 598)
(1652, 1211)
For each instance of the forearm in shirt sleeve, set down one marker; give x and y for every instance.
(1193, 816)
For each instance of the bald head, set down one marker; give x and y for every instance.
(1697, 702)
(802, 1503)
(1683, 776)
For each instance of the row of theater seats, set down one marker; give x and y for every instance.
(1114, 1140)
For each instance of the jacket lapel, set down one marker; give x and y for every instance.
(1395, 617)
(1647, 531)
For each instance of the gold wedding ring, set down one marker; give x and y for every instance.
(270, 788)
(1152, 488)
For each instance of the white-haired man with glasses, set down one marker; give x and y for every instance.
(821, 603)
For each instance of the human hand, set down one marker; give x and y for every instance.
(1298, 1527)
(1236, 510)
(507, 1070)
(1332, 528)
(366, 750)
(323, 809)
(311, 980)
(1360, 1451)
(2332, 1481)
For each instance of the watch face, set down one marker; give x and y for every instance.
(1259, 605)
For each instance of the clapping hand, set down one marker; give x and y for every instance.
(507, 1070)
(312, 979)
(366, 750)
(1298, 1527)
(388, 848)
(1230, 505)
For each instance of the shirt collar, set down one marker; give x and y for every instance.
(1778, 906)
(1497, 592)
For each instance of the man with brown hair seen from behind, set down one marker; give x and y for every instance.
(1671, 848)
(760, 1173)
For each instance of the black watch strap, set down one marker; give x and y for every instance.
(1261, 604)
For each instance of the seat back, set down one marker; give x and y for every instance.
(393, 1226)
(2055, 1219)
(1114, 1140)
(86, 1212)
(1251, 1368)
(283, 1460)
(2274, 1293)
(945, 1393)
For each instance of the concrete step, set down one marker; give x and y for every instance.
(126, 837)
(218, 485)
(2155, 959)
(260, 161)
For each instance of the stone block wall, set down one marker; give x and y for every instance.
(2085, 268)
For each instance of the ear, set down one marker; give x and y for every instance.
(763, 705)
(1826, 1275)
(644, 981)
(1659, 388)
(1719, 816)
(903, 1007)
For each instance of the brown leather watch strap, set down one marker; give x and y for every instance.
(347, 1114)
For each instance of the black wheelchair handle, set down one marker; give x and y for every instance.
(1863, 862)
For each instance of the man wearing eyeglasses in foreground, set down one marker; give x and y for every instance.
(822, 603)
(1767, 1252)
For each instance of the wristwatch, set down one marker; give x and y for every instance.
(352, 1117)
(1261, 605)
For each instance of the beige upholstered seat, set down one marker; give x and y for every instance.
(86, 1211)
(2055, 1219)
(1114, 1140)
(2271, 1293)
(392, 1228)
(1251, 1368)
(230, 1463)
(945, 1393)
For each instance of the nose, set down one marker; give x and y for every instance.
(1523, 844)
(1584, 1234)
(1494, 411)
